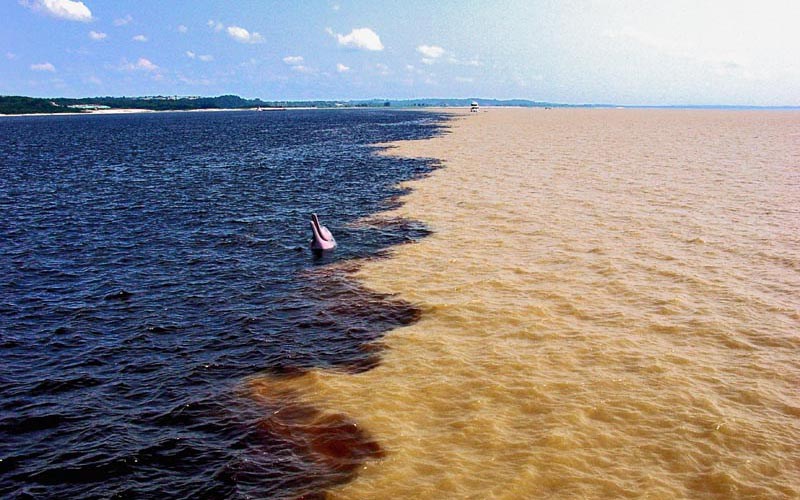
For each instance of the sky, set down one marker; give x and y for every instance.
(603, 51)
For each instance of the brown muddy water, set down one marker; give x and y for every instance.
(610, 307)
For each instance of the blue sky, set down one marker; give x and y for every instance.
(610, 51)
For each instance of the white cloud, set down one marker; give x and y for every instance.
(432, 54)
(293, 60)
(464, 79)
(242, 35)
(97, 36)
(431, 51)
(139, 38)
(145, 64)
(61, 9)
(341, 68)
(46, 66)
(182, 29)
(202, 57)
(94, 80)
(358, 38)
(296, 62)
(122, 21)
(11, 56)
(141, 65)
(236, 32)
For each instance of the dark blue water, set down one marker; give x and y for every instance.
(150, 262)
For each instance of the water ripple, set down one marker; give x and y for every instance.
(151, 261)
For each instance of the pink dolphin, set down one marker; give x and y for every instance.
(322, 239)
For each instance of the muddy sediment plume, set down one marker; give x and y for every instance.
(609, 310)
(338, 323)
(327, 446)
(338, 327)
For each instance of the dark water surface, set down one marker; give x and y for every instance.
(151, 261)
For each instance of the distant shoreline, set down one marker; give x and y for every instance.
(22, 105)
(126, 111)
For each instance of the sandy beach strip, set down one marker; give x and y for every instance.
(119, 111)
(125, 111)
